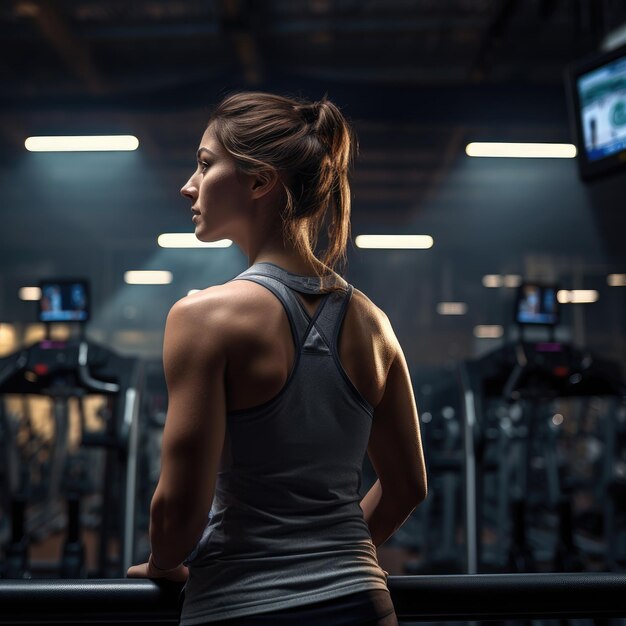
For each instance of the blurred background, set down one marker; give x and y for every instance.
(509, 303)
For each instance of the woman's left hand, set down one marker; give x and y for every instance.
(178, 574)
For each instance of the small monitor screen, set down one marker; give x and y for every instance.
(602, 97)
(537, 304)
(64, 301)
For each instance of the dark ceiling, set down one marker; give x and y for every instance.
(116, 49)
(419, 78)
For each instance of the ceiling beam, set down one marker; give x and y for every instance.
(74, 52)
(240, 21)
(501, 18)
(279, 26)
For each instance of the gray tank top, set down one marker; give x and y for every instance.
(285, 527)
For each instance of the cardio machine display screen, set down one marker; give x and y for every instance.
(596, 88)
(64, 301)
(537, 304)
(602, 94)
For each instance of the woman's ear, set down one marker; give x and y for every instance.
(264, 182)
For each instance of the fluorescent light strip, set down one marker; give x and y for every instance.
(577, 296)
(83, 143)
(452, 308)
(492, 280)
(507, 280)
(522, 150)
(29, 293)
(512, 280)
(616, 280)
(148, 277)
(189, 240)
(389, 242)
(488, 332)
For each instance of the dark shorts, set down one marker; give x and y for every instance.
(372, 607)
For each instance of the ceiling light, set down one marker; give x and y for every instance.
(512, 280)
(148, 277)
(506, 280)
(189, 240)
(394, 241)
(492, 280)
(616, 280)
(29, 293)
(577, 296)
(452, 308)
(488, 332)
(522, 150)
(73, 143)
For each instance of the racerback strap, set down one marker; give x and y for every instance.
(317, 334)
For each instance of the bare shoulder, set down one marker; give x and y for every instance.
(373, 321)
(205, 315)
(366, 308)
(199, 304)
(371, 314)
(232, 310)
(195, 331)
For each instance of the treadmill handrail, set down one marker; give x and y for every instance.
(85, 377)
(446, 598)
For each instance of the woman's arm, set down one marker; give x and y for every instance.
(382, 514)
(194, 359)
(395, 450)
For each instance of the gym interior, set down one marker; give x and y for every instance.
(488, 222)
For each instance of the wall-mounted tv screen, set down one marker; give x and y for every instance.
(64, 301)
(597, 96)
(537, 305)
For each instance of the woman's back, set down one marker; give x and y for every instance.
(263, 355)
(286, 525)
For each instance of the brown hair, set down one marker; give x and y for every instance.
(312, 147)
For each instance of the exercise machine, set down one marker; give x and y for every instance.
(47, 481)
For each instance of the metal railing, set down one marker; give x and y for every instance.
(425, 598)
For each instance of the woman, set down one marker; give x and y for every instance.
(279, 381)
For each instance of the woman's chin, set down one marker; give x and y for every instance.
(200, 232)
(205, 236)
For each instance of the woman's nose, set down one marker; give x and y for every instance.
(189, 191)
